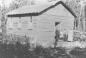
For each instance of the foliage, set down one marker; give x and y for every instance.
(22, 51)
(74, 5)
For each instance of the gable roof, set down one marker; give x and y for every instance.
(37, 10)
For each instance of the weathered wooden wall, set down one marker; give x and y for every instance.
(42, 27)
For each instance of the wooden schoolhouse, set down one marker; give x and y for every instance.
(40, 21)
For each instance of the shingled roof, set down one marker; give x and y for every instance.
(36, 10)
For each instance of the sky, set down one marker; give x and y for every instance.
(7, 2)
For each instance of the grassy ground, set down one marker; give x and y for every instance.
(79, 53)
(22, 51)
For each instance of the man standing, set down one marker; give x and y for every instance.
(57, 34)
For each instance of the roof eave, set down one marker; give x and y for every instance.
(36, 14)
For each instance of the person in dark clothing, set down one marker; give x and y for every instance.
(57, 36)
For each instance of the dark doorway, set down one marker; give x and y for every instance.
(57, 34)
(56, 23)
